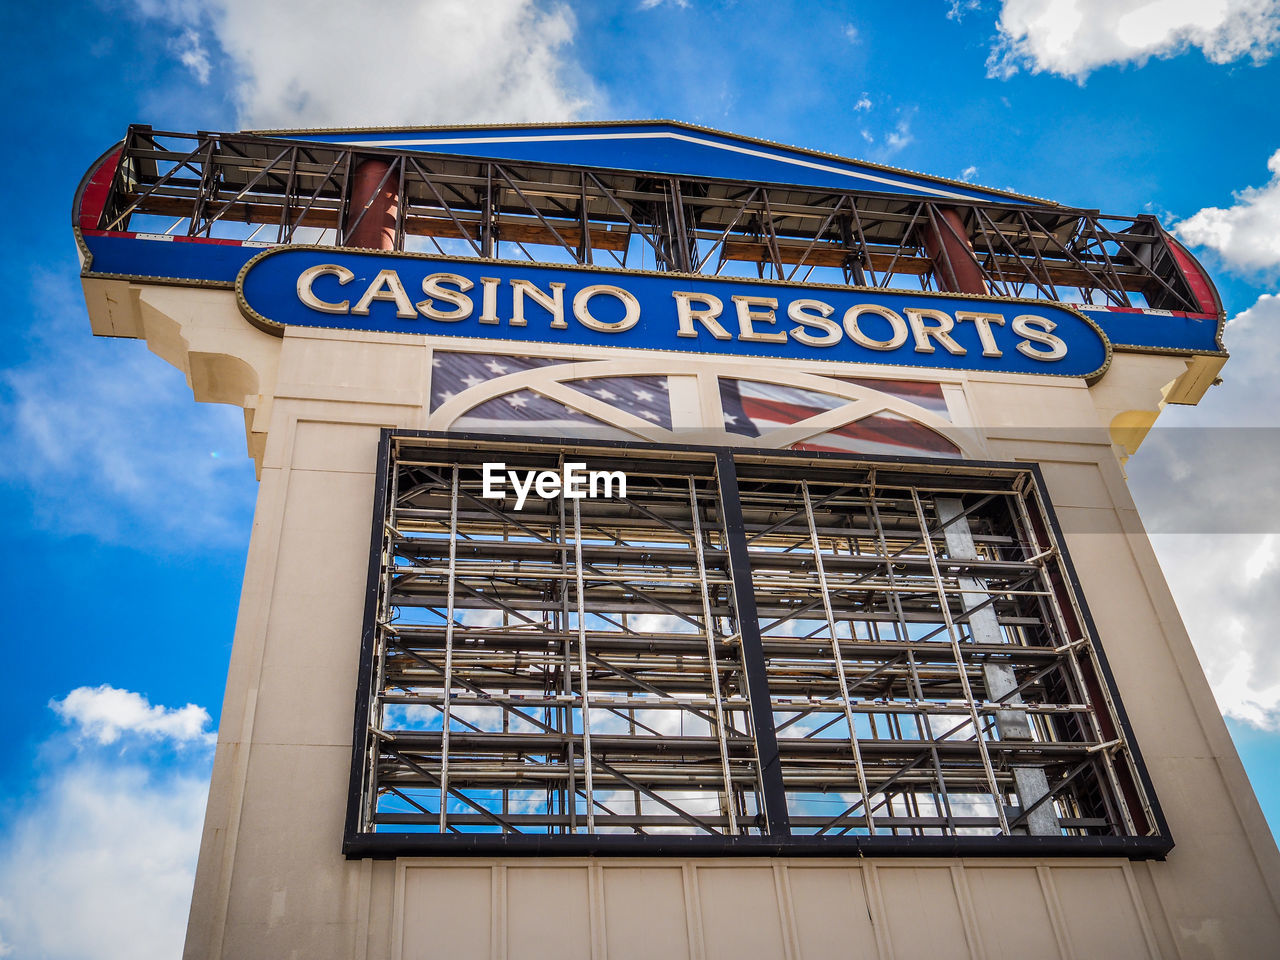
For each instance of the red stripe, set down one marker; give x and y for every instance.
(95, 193)
(890, 432)
(1176, 313)
(778, 411)
(1195, 276)
(909, 388)
(131, 235)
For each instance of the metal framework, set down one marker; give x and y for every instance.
(272, 190)
(790, 652)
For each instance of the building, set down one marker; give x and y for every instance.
(670, 543)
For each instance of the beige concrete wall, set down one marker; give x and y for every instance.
(272, 882)
(793, 909)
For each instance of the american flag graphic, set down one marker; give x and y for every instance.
(525, 411)
(451, 373)
(753, 409)
(922, 394)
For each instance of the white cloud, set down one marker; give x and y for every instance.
(1247, 234)
(1249, 395)
(99, 860)
(959, 8)
(650, 4)
(887, 144)
(1205, 483)
(107, 439)
(968, 173)
(1071, 38)
(104, 713)
(851, 33)
(391, 63)
(900, 136)
(193, 55)
(1228, 589)
(101, 865)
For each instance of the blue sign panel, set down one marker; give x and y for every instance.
(583, 306)
(1159, 330)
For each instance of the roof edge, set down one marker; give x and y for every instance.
(886, 168)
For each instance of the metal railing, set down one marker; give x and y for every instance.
(269, 189)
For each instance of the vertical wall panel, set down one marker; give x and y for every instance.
(645, 913)
(832, 919)
(923, 913)
(446, 913)
(1013, 918)
(740, 915)
(1101, 916)
(548, 913)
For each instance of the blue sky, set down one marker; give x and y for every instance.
(127, 508)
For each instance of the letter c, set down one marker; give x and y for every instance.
(308, 277)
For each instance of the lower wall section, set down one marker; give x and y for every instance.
(796, 910)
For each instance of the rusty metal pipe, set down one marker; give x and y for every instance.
(374, 227)
(955, 266)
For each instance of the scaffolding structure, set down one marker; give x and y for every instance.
(784, 648)
(271, 190)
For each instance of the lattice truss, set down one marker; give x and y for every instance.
(271, 191)
(741, 645)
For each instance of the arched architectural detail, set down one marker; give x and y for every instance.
(697, 414)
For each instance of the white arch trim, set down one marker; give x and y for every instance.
(554, 382)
